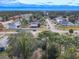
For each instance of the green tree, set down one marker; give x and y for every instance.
(71, 31)
(24, 22)
(22, 45)
(50, 39)
(52, 52)
(70, 53)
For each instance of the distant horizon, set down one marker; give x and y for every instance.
(39, 8)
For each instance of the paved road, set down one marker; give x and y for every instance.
(8, 33)
(51, 27)
(4, 57)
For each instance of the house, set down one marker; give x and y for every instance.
(26, 16)
(35, 24)
(1, 26)
(14, 24)
(1, 19)
(4, 43)
(5, 24)
(15, 17)
(62, 21)
(17, 23)
(59, 19)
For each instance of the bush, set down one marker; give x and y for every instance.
(71, 31)
(52, 52)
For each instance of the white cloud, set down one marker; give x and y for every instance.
(53, 2)
(8, 1)
(49, 2)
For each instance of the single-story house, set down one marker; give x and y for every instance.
(59, 19)
(4, 43)
(14, 25)
(35, 24)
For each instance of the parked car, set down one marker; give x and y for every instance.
(2, 49)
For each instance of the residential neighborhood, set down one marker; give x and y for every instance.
(39, 35)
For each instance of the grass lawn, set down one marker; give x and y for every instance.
(3, 53)
(42, 28)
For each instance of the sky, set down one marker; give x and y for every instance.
(8, 1)
(49, 2)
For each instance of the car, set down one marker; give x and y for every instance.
(34, 29)
(2, 49)
(48, 27)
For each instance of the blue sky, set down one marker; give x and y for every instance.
(10, 4)
(49, 2)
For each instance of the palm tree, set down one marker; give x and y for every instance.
(52, 52)
(51, 38)
(22, 45)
